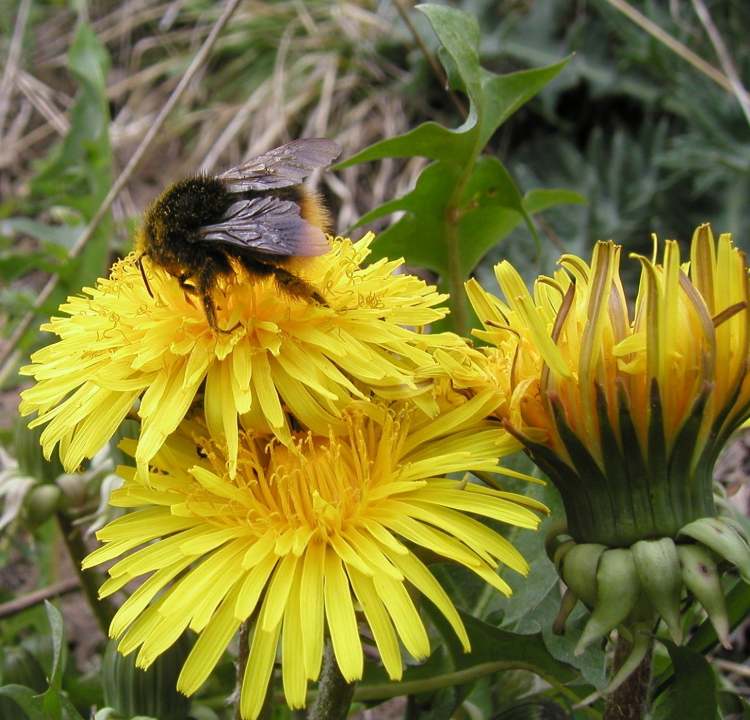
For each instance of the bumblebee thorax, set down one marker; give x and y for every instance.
(184, 207)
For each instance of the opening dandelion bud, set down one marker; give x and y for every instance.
(626, 406)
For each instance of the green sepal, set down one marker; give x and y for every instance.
(641, 643)
(579, 570)
(723, 539)
(635, 464)
(615, 469)
(568, 603)
(701, 576)
(656, 458)
(658, 567)
(617, 592)
(683, 467)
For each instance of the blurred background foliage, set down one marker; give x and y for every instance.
(648, 140)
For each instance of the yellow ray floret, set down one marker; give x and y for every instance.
(308, 538)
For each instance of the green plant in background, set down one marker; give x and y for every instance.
(464, 202)
(652, 143)
(53, 703)
(70, 183)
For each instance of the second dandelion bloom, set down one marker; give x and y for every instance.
(322, 535)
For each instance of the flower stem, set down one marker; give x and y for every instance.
(457, 302)
(334, 692)
(101, 608)
(629, 701)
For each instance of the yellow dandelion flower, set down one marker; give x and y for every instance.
(311, 537)
(625, 412)
(117, 344)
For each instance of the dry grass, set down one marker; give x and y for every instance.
(280, 70)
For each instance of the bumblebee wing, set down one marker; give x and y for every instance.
(281, 167)
(266, 225)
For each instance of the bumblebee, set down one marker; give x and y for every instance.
(256, 213)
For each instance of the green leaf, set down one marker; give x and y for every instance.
(69, 710)
(58, 645)
(421, 237)
(493, 650)
(458, 33)
(26, 699)
(462, 205)
(502, 95)
(16, 265)
(494, 98)
(536, 201)
(694, 692)
(53, 237)
(490, 208)
(733, 706)
(429, 140)
(481, 230)
(435, 704)
(592, 663)
(491, 184)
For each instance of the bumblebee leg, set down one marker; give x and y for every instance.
(143, 273)
(210, 309)
(213, 267)
(287, 281)
(296, 286)
(185, 285)
(187, 288)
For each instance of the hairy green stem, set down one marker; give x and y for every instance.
(456, 278)
(630, 700)
(385, 691)
(459, 312)
(101, 608)
(334, 693)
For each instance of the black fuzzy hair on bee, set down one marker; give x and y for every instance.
(256, 213)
